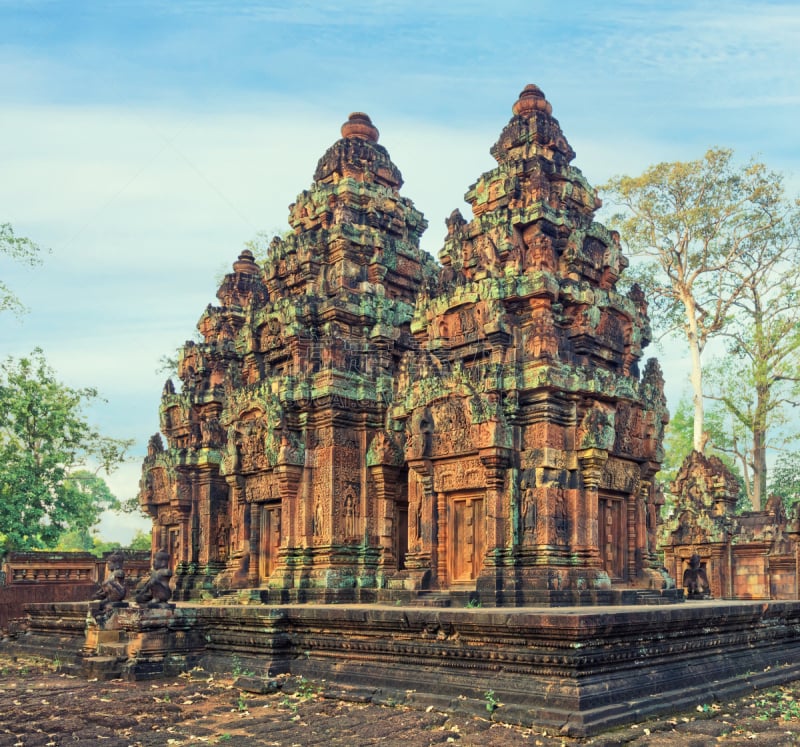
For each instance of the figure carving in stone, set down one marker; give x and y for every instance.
(695, 580)
(212, 434)
(350, 516)
(415, 494)
(316, 523)
(775, 507)
(155, 591)
(288, 452)
(529, 513)
(155, 446)
(113, 589)
(597, 429)
(223, 542)
(561, 520)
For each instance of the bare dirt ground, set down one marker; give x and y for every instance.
(40, 706)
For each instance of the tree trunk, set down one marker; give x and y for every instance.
(760, 446)
(696, 374)
(759, 469)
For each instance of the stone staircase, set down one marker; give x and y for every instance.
(108, 661)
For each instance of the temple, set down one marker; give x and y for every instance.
(744, 555)
(362, 423)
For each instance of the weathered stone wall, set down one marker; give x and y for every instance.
(38, 577)
(575, 672)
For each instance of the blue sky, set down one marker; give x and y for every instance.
(144, 142)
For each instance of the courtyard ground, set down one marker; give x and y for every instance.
(43, 707)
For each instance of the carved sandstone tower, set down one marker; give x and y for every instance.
(360, 424)
(532, 437)
(292, 383)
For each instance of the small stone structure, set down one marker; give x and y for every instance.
(746, 556)
(48, 576)
(359, 422)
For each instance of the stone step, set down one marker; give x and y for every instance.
(119, 650)
(431, 599)
(102, 667)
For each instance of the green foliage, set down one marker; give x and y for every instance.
(688, 222)
(141, 541)
(46, 445)
(677, 441)
(491, 701)
(785, 481)
(757, 380)
(83, 540)
(18, 249)
(678, 445)
(777, 704)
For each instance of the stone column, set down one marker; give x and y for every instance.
(591, 462)
(255, 541)
(422, 532)
(385, 479)
(496, 463)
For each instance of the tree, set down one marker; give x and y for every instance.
(678, 445)
(141, 541)
(758, 378)
(785, 481)
(46, 447)
(83, 540)
(689, 224)
(19, 249)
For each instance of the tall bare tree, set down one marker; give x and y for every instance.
(687, 224)
(758, 380)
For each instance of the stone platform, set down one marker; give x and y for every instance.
(575, 669)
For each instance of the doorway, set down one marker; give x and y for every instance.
(467, 539)
(270, 539)
(613, 537)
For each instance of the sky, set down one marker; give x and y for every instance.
(142, 143)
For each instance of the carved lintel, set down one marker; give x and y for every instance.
(649, 469)
(423, 467)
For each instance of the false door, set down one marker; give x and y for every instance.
(613, 537)
(467, 539)
(270, 539)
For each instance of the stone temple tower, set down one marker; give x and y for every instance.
(362, 424)
(532, 434)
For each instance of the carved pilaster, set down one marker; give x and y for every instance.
(592, 462)
(289, 476)
(385, 479)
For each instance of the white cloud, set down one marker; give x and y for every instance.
(145, 199)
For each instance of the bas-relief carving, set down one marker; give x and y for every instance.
(260, 488)
(622, 477)
(462, 475)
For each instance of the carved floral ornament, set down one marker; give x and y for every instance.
(597, 429)
(384, 450)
